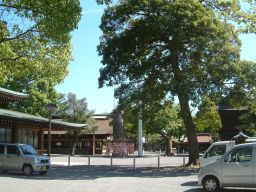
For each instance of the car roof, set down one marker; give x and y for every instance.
(223, 142)
(245, 144)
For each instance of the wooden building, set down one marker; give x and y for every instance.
(204, 141)
(230, 120)
(87, 143)
(17, 127)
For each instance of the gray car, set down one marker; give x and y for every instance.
(22, 157)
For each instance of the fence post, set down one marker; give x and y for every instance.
(158, 162)
(134, 161)
(183, 159)
(111, 160)
(68, 161)
(89, 161)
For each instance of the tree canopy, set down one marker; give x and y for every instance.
(165, 48)
(35, 46)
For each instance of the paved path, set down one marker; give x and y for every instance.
(101, 177)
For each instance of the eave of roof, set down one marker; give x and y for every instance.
(13, 93)
(228, 108)
(24, 117)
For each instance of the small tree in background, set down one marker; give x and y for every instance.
(75, 111)
(167, 122)
(91, 128)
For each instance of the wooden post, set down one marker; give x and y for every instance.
(41, 139)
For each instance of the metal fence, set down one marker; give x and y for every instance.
(133, 162)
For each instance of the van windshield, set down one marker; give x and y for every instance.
(28, 150)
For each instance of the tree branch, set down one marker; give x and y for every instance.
(32, 29)
(15, 7)
(11, 59)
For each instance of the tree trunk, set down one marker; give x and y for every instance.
(182, 91)
(190, 130)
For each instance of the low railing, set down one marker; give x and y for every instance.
(149, 161)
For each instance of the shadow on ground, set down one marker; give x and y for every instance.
(200, 188)
(79, 172)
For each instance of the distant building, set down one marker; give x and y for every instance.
(230, 119)
(204, 141)
(62, 143)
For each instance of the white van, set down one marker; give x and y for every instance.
(236, 168)
(215, 151)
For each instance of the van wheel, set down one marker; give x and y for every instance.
(27, 170)
(211, 184)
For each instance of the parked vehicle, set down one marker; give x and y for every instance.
(250, 140)
(215, 151)
(22, 157)
(236, 168)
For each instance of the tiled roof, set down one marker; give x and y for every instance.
(104, 128)
(8, 115)
(201, 138)
(8, 95)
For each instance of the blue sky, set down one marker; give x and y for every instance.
(84, 69)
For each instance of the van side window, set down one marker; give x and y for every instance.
(1, 149)
(12, 149)
(216, 150)
(240, 155)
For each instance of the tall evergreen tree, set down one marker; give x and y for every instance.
(154, 49)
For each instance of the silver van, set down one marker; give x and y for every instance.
(236, 168)
(215, 151)
(22, 157)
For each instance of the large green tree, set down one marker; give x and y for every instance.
(154, 49)
(35, 46)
